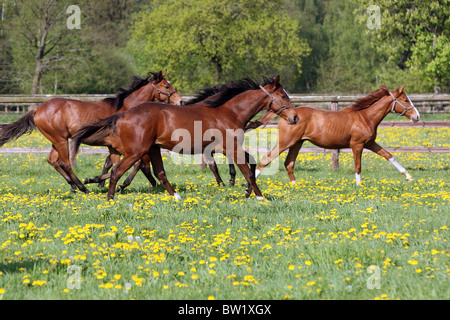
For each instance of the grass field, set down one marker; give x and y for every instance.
(324, 238)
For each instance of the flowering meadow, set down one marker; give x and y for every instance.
(323, 238)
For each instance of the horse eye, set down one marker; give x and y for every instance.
(283, 97)
(167, 87)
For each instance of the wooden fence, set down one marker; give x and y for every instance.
(426, 104)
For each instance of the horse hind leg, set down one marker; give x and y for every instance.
(289, 163)
(53, 160)
(385, 154)
(117, 172)
(214, 169)
(106, 167)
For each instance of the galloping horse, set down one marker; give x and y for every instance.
(204, 94)
(213, 125)
(58, 119)
(354, 127)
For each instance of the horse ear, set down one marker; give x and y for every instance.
(164, 73)
(401, 89)
(277, 80)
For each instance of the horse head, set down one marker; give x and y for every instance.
(164, 88)
(280, 103)
(403, 106)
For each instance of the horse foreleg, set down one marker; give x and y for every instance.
(130, 178)
(145, 168)
(160, 173)
(357, 152)
(268, 158)
(385, 154)
(248, 174)
(108, 165)
(252, 162)
(213, 167)
(112, 159)
(232, 171)
(118, 171)
(99, 179)
(289, 163)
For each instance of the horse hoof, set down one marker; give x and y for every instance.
(232, 182)
(87, 181)
(247, 194)
(119, 188)
(177, 196)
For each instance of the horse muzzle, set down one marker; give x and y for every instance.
(294, 120)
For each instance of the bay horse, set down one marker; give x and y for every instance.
(58, 119)
(213, 125)
(353, 127)
(204, 94)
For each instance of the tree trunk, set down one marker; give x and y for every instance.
(37, 77)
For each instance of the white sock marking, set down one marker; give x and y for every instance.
(397, 165)
(358, 179)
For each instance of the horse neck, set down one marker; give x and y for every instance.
(144, 94)
(246, 105)
(379, 110)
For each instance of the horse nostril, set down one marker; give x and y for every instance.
(296, 119)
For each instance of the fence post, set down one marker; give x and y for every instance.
(335, 153)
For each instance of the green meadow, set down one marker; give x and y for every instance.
(323, 238)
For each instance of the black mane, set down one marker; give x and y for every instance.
(138, 82)
(223, 93)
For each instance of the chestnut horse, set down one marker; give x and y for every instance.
(352, 127)
(58, 119)
(213, 125)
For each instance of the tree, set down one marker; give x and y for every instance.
(351, 63)
(104, 64)
(310, 15)
(7, 83)
(204, 42)
(40, 37)
(415, 35)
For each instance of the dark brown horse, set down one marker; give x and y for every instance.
(213, 125)
(58, 119)
(352, 127)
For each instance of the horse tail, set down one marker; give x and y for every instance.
(263, 121)
(17, 129)
(94, 134)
